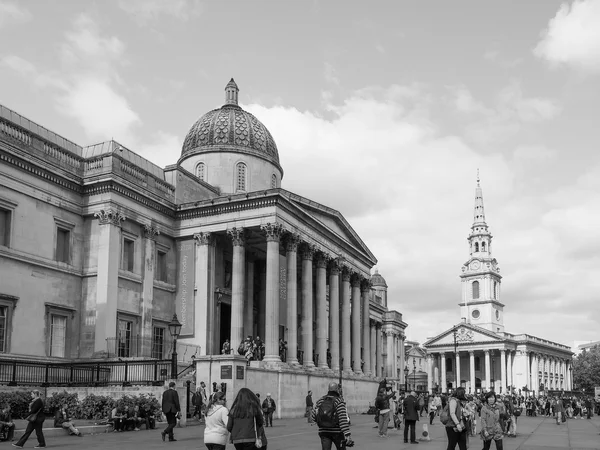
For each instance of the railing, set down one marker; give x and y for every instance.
(138, 347)
(15, 133)
(36, 373)
(62, 155)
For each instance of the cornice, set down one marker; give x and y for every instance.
(17, 255)
(482, 302)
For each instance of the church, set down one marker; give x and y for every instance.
(99, 248)
(478, 353)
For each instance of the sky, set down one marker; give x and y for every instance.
(383, 110)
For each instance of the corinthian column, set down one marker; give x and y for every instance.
(150, 232)
(237, 285)
(273, 232)
(488, 380)
(503, 369)
(444, 386)
(378, 355)
(204, 309)
(356, 324)
(366, 336)
(346, 343)
(292, 298)
(389, 335)
(322, 320)
(373, 345)
(307, 305)
(472, 381)
(334, 314)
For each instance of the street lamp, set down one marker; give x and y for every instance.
(175, 330)
(405, 378)
(414, 374)
(455, 332)
(570, 378)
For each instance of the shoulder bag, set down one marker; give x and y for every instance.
(32, 417)
(258, 441)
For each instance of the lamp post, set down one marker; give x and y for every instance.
(570, 378)
(414, 374)
(174, 329)
(454, 332)
(405, 379)
(493, 386)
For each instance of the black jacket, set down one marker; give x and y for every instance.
(170, 401)
(37, 407)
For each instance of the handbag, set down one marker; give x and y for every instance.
(258, 441)
(32, 417)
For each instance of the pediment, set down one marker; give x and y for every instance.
(465, 334)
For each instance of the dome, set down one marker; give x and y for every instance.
(378, 280)
(230, 129)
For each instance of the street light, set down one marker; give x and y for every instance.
(414, 374)
(455, 332)
(406, 378)
(175, 330)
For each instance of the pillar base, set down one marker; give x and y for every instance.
(310, 365)
(272, 359)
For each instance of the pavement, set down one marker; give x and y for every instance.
(533, 433)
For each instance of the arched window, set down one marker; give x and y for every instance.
(200, 171)
(273, 181)
(476, 246)
(241, 177)
(483, 246)
(475, 289)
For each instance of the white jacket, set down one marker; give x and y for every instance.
(216, 425)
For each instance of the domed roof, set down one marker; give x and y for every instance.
(230, 128)
(378, 280)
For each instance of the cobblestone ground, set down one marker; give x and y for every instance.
(535, 433)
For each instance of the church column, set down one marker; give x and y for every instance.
(308, 252)
(107, 280)
(528, 380)
(429, 373)
(150, 232)
(249, 300)
(203, 308)
(273, 232)
(457, 369)
(355, 280)
(378, 345)
(346, 343)
(503, 370)
(389, 363)
(472, 381)
(292, 297)
(535, 374)
(402, 362)
(322, 319)
(237, 286)
(334, 314)
(488, 379)
(373, 344)
(444, 383)
(366, 333)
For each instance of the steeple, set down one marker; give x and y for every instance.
(479, 214)
(480, 239)
(231, 93)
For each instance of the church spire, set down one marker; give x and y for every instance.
(480, 239)
(479, 213)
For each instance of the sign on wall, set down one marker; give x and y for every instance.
(184, 299)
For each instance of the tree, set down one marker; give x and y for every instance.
(586, 369)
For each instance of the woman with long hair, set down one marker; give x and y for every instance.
(491, 429)
(245, 422)
(457, 425)
(35, 421)
(215, 433)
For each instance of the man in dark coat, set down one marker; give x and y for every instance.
(309, 406)
(411, 415)
(171, 409)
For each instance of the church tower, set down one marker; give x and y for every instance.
(480, 276)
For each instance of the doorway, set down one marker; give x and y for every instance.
(225, 327)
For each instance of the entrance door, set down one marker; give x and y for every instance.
(225, 327)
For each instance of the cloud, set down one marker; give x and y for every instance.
(329, 73)
(13, 13)
(146, 11)
(573, 37)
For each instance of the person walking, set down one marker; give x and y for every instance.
(456, 427)
(215, 433)
(171, 409)
(199, 403)
(309, 406)
(411, 415)
(491, 428)
(245, 421)
(35, 421)
(331, 416)
(268, 407)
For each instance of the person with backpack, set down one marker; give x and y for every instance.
(453, 420)
(331, 416)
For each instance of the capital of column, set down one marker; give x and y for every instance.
(471, 352)
(308, 252)
(150, 231)
(203, 238)
(355, 280)
(238, 236)
(109, 217)
(335, 266)
(291, 242)
(322, 259)
(378, 325)
(442, 354)
(389, 333)
(502, 352)
(486, 352)
(273, 230)
(365, 285)
(346, 273)
(372, 323)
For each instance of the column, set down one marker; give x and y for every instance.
(389, 363)
(334, 314)
(322, 319)
(402, 356)
(308, 252)
(509, 369)
(488, 378)
(429, 373)
(378, 355)
(346, 343)
(527, 371)
(237, 236)
(291, 247)
(273, 232)
(373, 354)
(457, 369)
(249, 303)
(444, 383)
(366, 335)
(472, 372)
(150, 232)
(503, 370)
(203, 307)
(356, 357)
(107, 280)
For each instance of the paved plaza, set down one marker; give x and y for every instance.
(535, 433)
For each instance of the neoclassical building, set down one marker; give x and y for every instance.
(99, 247)
(477, 353)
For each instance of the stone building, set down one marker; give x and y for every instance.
(478, 353)
(417, 366)
(99, 248)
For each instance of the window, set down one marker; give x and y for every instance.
(158, 342)
(200, 171)
(483, 246)
(241, 177)
(475, 289)
(124, 337)
(273, 181)
(58, 335)
(475, 314)
(476, 246)
(5, 216)
(477, 363)
(63, 245)
(3, 327)
(161, 266)
(128, 254)
(448, 364)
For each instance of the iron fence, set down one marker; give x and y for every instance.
(138, 347)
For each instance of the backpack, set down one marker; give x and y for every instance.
(327, 414)
(445, 414)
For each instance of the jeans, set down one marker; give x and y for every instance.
(172, 421)
(410, 424)
(71, 427)
(488, 444)
(248, 446)
(384, 419)
(457, 437)
(215, 446)
(37, 426)
(337, 439)
(431, 416)
(268, 419)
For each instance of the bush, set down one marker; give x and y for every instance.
(58, 399)
(19, 402)
(95, 407)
